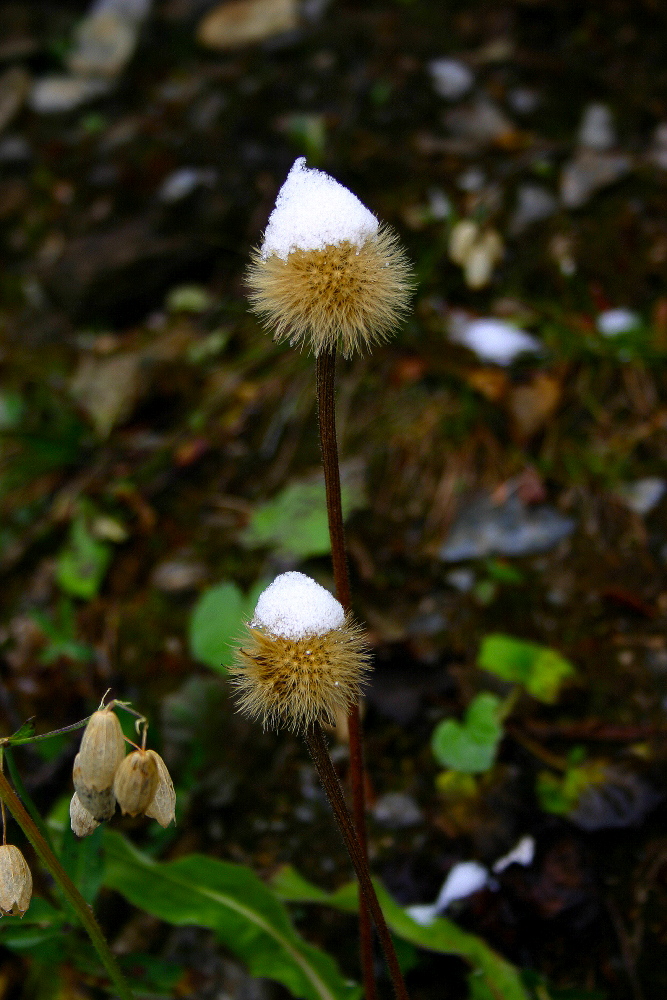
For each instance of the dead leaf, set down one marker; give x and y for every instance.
(242, 22)
(532, 404)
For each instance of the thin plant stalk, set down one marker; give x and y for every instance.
(318, 750)
(326, 408)
(72, 894)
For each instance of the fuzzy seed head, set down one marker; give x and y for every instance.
(102, 750)
(136, 782)
(343, 296)
(295, 682)
(15, 882)
(163, 804)
(81, 821)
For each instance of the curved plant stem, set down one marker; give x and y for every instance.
(326, 409)
(320, 754)
(74, 897)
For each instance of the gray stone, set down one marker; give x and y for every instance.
(534, 203)
(451, 78)
(510, 529)
(57, 94)
(397, 810)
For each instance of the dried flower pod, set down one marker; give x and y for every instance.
(99, 802)
(328, 275)
(15, 881)
(136, 782)
(162, 806)
(102, 750)
(81, 821)
(304, 660)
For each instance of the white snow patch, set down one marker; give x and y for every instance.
(522, 853)
(295, 607)
(612, 322)
(494, 340)
(314, 211)
(451, 78)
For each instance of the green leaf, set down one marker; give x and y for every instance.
(560, 794)
(230, 900)
(295, 522)
(83, 860)
(83, 561)
(442, 935)
(217, 621)
(470, 746)
(538, 669)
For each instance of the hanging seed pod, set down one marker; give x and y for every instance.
(102, 749)
(81, 821)
(163, 804)
(15, 882)
(136, 782)
(99, 802)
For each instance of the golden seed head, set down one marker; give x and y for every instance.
(342, 296)
(15, 881)
(295, 682)
(162, 806)
(99, 802)
(82, 822)
(136, 782)
(102, 750)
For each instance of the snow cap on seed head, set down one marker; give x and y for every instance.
(303, 660)
(314, 211)
(295, 607)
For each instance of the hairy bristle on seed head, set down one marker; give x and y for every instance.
(296, 682)
(343, 296)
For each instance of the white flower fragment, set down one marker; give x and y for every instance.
(523, 853)
(613, 322)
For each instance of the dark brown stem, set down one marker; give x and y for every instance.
(326, 409)
(318, 750)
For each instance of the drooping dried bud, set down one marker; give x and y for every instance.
(163, 804)
(99, 802)
(102, 750)
(81, 821)
(136, 782)
(303, 660)
(15, 881)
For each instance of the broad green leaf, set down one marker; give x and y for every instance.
(83, 860)
(442, 935)
(230, 900)
(560, 794)
(82, 563)
(470, 746)
(295, 522)
(538, 669)
(217, 622)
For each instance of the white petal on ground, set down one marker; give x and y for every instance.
(295, 607)
(314, 211)
(596, 130)
(464, 878)
(522, 853)
(642, 495)
(612, 322)
(495, 340)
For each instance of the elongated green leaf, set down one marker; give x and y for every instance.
(233, 902)
(501, 977)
